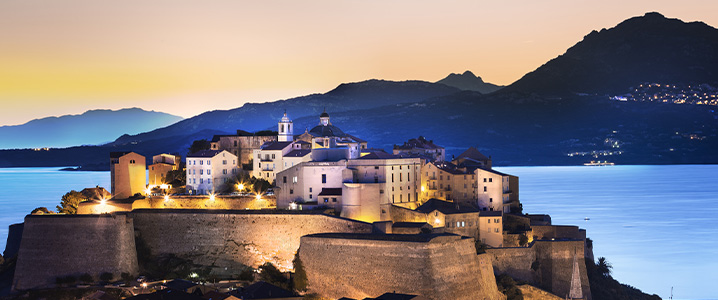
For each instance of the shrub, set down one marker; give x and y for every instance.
(507, 286)
(86, 278)
(247, 274)
(126, 277)
(300, 276)
(106, 277)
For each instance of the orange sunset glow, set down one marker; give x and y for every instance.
(187, 57)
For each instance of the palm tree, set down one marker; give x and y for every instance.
(604, 267)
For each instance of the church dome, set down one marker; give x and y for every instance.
(324, 114)
(328, 130)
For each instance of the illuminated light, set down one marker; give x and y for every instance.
(436, 221)
(103, 201)
(193, 275)
(167, 197)
(293, 205)
(163, 186)
(211, 197)
(422, 188)
(148, 191)
(240, 186)
(258, 197)
(144, 284)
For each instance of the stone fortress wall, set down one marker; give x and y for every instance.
(230, 240)
(437, 266)
(60, 245)
(545, 264)
(178, 202)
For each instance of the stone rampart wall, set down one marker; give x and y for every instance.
(552, 263)
(436, 267)
(229, 240)
(14, 236)
(60, 245)
(557, 232)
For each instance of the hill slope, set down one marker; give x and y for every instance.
(90, 128)
(650, 48)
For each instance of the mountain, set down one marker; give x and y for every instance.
(259, 116)
(469, 82)
(90, 128)
(650, 48)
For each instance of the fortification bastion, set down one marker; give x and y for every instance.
(436, 266)
(60, 245)
(230, 240)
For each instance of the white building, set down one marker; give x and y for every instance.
(497, 191)
(208, 170)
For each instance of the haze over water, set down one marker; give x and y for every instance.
(657, 225)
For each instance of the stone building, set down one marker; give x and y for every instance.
(161, 164)
(242, 144)
(421, 147)
(127, 174)
(209, 170)
(497, 191)
(446, 181)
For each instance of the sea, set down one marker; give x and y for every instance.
(657, 225)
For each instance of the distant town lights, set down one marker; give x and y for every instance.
(240, 186)
(163, 186)
(167, 197)
(293, 205)
(258, 197)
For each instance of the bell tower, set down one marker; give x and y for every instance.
(285, 130)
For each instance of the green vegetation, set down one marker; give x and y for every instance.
(69, 202)
(106, 277)
(250, 184)
(507, 286)
(40, 211)
(86, 278)
(480, 247)
(176, 178)
(604, 287)
(246, 275)
(300, 276)
(199, 145)
(269, 273)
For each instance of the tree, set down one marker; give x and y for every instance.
(523, 239)
(300, 275)
(199, 145)
(70, 201)
(106, 277)
(86, 278)
(40, 211)
(269, 273)
(603, 266)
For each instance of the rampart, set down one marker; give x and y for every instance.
(14, 236)
(436, 266)
(53, 246)
(229, 240)
(545, 264)
(176, 202)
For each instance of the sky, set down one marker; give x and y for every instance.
(188, 57)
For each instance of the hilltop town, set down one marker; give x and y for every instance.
(342, 218)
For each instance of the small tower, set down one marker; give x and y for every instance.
(324, 118)
(285, 130)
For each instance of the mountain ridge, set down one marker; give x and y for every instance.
(469, 82)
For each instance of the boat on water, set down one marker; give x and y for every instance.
(599, 163)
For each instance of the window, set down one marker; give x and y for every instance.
(407, 176)
(201, 181)
(392, 168)
(209, 181)
(491, 199)
(448, 177)
(490, 179)
(484, 189)
(201, 171)
(224, 162)
(326, 200)
(209, 172)
(324, 178)
(392, 177)
(224, 171)
(408, 197)
(334, 199)
(401, 198)
(272, 156)
(284, 179)
(291, 191)
(392, 198)
(200, 162)
(381, 191)
(484, 179)
(441, 177)
(235, 143)
(497, 220)
(399, 177)
(496, 230)
(489, 221)
(463, 224)
(310, 196)
(234, 171)
(294, 179)
(310, 190)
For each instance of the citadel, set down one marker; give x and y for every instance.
(363, 222)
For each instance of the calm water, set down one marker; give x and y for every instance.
(657, 225)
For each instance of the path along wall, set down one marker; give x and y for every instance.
(545, 264)
(53, 246)
(441, 266)
(230, 240)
